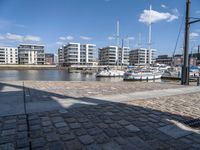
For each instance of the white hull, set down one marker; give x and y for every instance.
(148, 76)
(110, 73)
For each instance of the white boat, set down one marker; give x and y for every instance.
(109, 73)
(142, 75)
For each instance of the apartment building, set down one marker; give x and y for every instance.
(113, 55)
(31, 54)
(8, 55)
(141, 56)
(77, 54)
(164, 59)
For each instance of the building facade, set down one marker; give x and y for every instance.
(31, 54)
(179, 60)
(8, 55)
(49, 58)
(140, 56)
(113, 55)
(76, 54)
(60, 56)
(164, 59)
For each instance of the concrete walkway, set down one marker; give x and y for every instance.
(12, 98)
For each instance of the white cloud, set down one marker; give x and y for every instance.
(19, 38)
(193, 35)
(2, 37)
(154, 16)
(111, 38)
(59, 43)
(14, 37)
(32, 38)
(163, 6)
(85, 38)
(66, 38)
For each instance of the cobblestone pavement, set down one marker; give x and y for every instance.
(139, 125)
(85, 89)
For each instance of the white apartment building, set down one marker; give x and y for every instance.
(141, 56)
(60, 56)
(31, 54)
(113, 55)
(8, 55)
(78, 54)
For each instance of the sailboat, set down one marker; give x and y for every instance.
(147, 73)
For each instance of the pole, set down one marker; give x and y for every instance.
(185, 67)
(118, 33)
(150, 36)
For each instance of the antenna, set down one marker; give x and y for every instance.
(140, 40)
(117, 35)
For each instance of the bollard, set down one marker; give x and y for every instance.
(198, 81)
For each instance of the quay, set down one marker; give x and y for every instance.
(98, 115)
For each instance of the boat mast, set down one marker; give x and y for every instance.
(117, 35)
(149, 42)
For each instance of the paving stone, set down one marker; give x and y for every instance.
(80, 131)
(88, 125)
(8, 132)
(139, 143)
(7, 139)
(94, 131)
(22, 127)
(56, 146)
(34, 122)
(23, 134)
(120, 140)
(21, 143)
(52, 137)
(70, 120)
(102, 125)
(35, 127)
(10, 121)
(110, 132)
(67, 136)
(7, 146)
(111, 146)
(36, 134)
(101, 138)
(86, 139)
(57, 119)
(132, 128)
(63, 130)
(123, 122)
(60, 124)
(115, 126)
(74, 145)
(93, 147)
(46, 123)
(74, 125)
(38, 142)
(10, 126)
(174, 131)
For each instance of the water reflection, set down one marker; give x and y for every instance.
(50, 75)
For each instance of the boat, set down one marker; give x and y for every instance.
(143, 74)
(107, 72)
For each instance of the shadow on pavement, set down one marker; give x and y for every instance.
(87, 123)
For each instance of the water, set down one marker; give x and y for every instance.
(50, 75)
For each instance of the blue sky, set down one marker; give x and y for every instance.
(56, 22)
